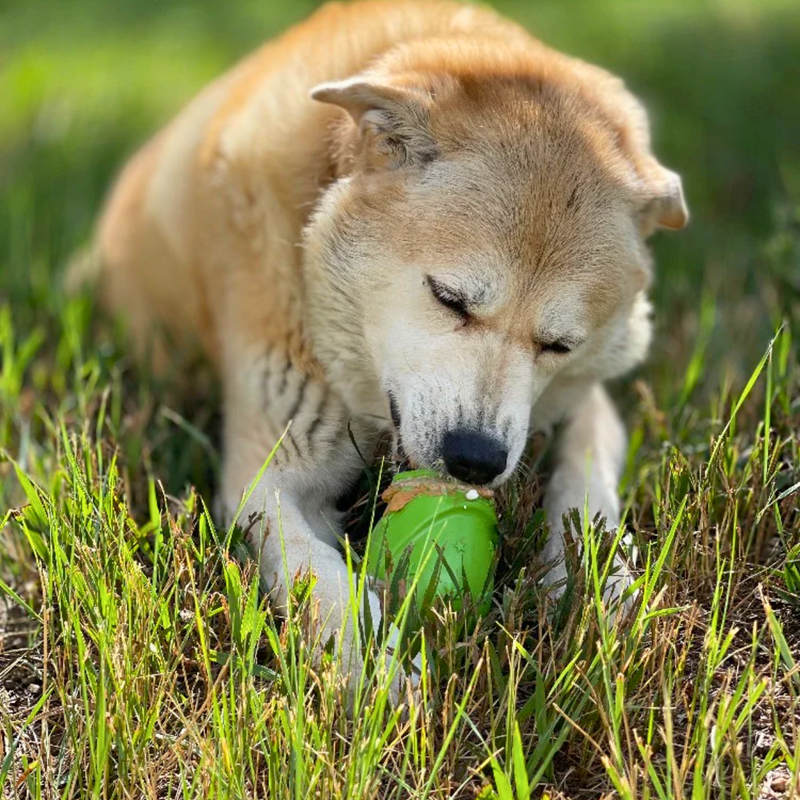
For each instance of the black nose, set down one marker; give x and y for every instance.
(472, 457)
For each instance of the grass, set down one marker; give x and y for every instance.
(137, 655)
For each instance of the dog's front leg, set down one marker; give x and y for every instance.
(290, 513)
(281, 514)
(589, 460)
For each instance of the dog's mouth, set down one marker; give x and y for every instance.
(402, 461)
(394, 410)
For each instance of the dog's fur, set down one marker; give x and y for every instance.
(296, 219)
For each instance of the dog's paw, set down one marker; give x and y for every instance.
(616, 595)
(617, 598)
(387, 671)
(404, 686)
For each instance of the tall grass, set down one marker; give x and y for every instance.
(150, 664)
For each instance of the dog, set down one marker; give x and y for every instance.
(405, 217)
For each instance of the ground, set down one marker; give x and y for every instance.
(137, 657)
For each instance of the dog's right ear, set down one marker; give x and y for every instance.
(664, 206)
(391, 120)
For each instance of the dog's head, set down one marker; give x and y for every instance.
(484, 240)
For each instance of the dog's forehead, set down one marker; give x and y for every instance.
(522, 219)
(552, 248)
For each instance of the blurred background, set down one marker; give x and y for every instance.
(84, 82)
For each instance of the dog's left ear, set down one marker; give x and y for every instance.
(391, 119)
(664, 205)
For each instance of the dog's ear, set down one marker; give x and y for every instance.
(658, 191)
(391, 119)
(664, 205)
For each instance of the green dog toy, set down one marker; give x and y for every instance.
(449, 531)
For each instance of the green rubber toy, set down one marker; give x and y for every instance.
(449, 531)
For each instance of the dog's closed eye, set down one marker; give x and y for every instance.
(449, 298)
(559, 347)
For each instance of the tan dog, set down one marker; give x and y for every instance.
(406, 217)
